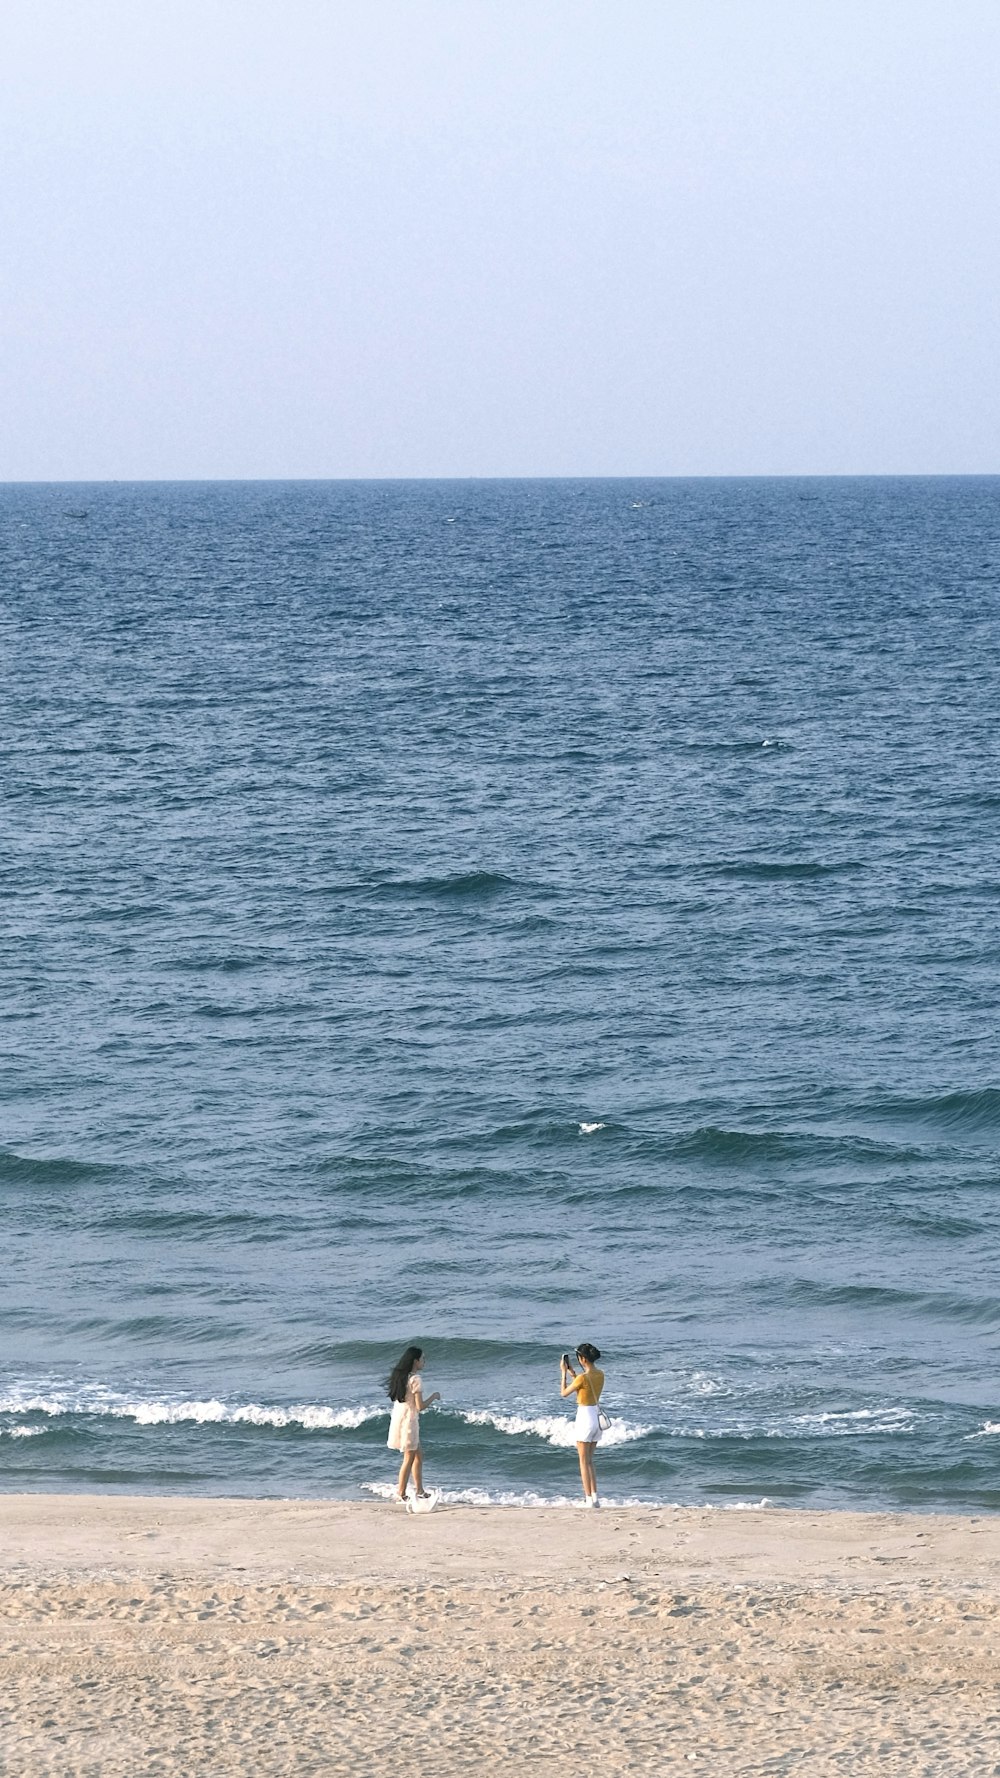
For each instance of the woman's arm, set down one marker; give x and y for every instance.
(420, 1404)
(565, 1387)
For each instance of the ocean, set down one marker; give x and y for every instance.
(497, 915)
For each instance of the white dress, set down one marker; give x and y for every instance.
(404, 1424)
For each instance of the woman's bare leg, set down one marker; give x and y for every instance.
(404, 1473)
(418, 1471)
(587, 1474)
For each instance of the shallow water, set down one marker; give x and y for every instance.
(501, 914)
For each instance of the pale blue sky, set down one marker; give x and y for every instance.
(498, 237)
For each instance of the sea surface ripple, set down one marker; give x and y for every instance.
(499, 914)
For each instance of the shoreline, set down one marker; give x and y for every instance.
(331, 1540)
(174, 1635)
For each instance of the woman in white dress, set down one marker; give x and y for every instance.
(408, 1403)
(586, 1386)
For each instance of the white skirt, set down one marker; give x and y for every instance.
(586, 1426)
(404, 1428)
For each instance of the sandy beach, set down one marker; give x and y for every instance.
(203, 1637)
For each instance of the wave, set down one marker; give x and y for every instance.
(823, 1423)
(713, 1142)
(779, 870)
(546, 1131)
(100, 1403)
(448, 1350)
(761, 744)
(701, 1383)
(511, 1497)
(969, 1110)
(20, 1169)
(221, 962)
(540, 1128)
(975, 799)
(938, 1304)
(376, 1174)
(938, 1227)
(477, 885)
(844, 1422)
(252, 1225)
(528, 1497)
(172, 1329)
(29, 1411)
(555, 1429)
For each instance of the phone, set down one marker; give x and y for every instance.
(565, 1358)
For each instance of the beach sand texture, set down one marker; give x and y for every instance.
(200, 1637)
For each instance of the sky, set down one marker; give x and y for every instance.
(327, 238)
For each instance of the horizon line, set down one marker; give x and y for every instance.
(381, 480)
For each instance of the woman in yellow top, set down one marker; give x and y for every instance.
(586, 1386)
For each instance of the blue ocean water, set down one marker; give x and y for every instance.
(498, 915)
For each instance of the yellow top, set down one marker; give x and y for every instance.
(588, 1386)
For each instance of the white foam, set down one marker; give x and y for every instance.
(103, 1403)
(204, 1413)
(18, 1403)
(989, 1429)
(588, 1129)
(555, 1429)
(558, 1430)
(157, 1411)
(843, 1421)
(505, 1497)
(700, 1383)
(825, 1423)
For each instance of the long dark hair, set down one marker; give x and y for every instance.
(398, 1377)
(587, 1351)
